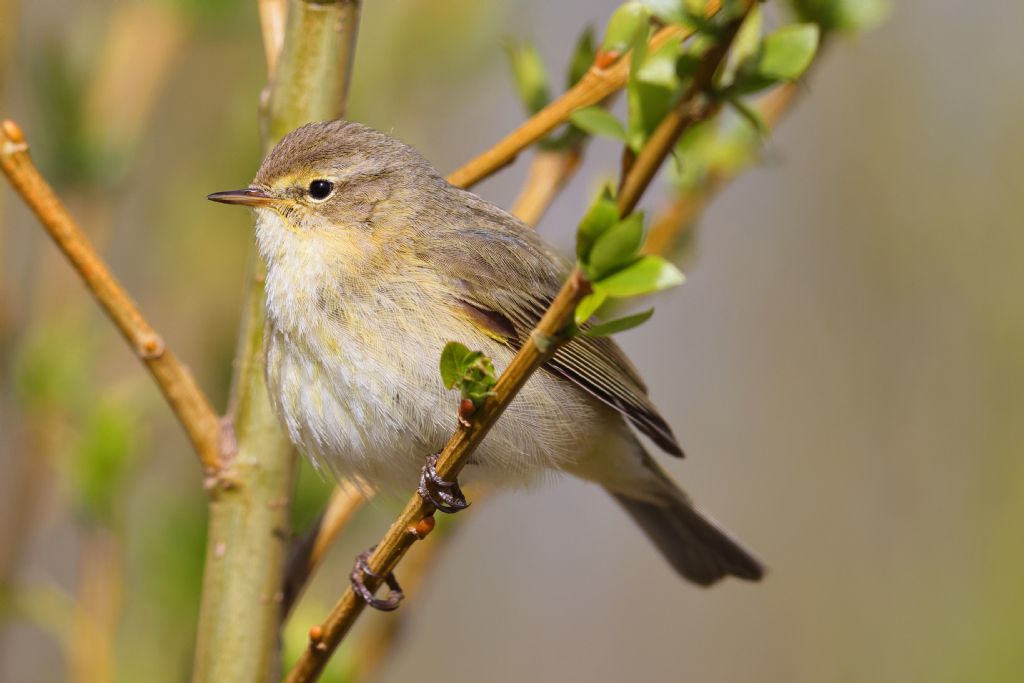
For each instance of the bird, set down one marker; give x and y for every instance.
(374, 262)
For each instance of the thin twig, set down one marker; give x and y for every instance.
(272, 19)
(178, 385)
(598, 83)
(308, 552)
(677, 217)
(549, 172)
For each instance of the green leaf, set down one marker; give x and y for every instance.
(470, 371)
(455, 358)
(530, 75)
(598, 121)
(100, 463)
(745, 45)
(669, 11)
(786, 53)
(843, 15)
(659, 67)
(620, 325)
(582, 56)
(624, 26)
(603, 214)
(617, 246)
(645, 275)
(750, 115)
(589, 305)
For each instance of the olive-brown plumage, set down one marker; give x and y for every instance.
(374, 263)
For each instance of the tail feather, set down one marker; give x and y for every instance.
(692, 543)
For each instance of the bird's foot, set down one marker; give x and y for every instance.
(359, 573)
(444, 495)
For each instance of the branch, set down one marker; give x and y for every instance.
(550, 171)
(177, 384)
(272, 21)
(598, 83)
(237, 638)
(309, 551)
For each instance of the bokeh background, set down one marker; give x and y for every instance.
(844, 365)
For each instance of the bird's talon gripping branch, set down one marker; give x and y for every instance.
(444, 495)
(361, 570)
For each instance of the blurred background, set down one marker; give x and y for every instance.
(844, 366)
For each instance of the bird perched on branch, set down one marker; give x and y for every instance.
(374, 263)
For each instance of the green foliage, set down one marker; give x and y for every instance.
(598, 121)
(530, 75)
(616, 245)
(619, 325)
(607, 248)
(782, 56)
(588, 306)
(651, 89)
(101, 461)
(842, 15)
(532, 82)
(471, 372)
(627, 25)
(603, 213)
(668, 11)
(582, 56)
(51, 372)
(644, 275)
(67, 154)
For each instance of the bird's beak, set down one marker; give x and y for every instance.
(250, 196)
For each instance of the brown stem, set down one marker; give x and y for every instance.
(402, 534)
(94, 624)
(549, 172)
(272, 21)
(178, 385)
(309, 551)
(598, 83)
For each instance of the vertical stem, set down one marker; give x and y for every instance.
(237, 637)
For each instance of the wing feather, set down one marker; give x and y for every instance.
(505, 277)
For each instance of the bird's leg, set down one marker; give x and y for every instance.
(361, 570)
(444, 495)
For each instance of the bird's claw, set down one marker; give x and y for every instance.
(444, 495)
(361, 570)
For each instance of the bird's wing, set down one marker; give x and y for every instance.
(505, 281)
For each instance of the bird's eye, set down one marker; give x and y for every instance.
(320, 189)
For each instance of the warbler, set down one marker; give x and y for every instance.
(374, 263)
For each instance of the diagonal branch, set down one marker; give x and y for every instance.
(549, 172)
(175, 381)
(598, 83)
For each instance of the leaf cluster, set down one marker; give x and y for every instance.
(471, 372)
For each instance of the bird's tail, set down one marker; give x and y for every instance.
(692, 543)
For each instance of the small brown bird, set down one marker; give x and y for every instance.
(374, 263)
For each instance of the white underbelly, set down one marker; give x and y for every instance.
(376, 413)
